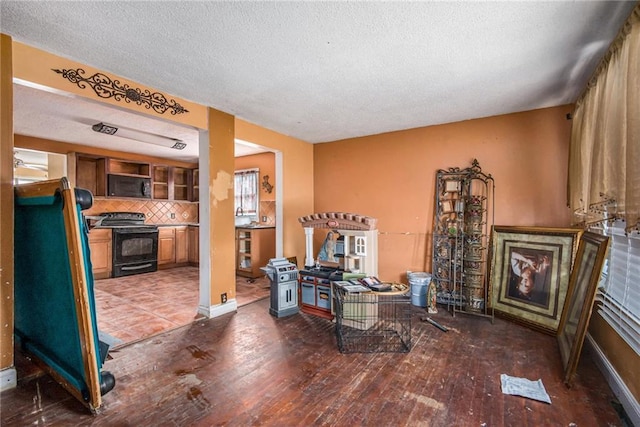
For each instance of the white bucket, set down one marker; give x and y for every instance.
(419, 283)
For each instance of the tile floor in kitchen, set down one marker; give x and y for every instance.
(133, 308)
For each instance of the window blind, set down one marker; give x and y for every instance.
(619, 291)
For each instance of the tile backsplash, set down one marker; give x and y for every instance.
(159, 211)
(156, 211)
(268, 210)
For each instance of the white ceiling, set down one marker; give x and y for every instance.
(318, 71)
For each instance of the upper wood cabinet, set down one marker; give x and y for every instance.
(126, 167)
(182, 183)
(91, 174)
(167, 182)
(195, 197)
(160, 182)
(172, 183)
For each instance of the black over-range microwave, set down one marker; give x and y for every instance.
(129, 186)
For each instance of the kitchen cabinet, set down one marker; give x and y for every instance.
(194, 245)
(182, 245)
(195, 193)
(160, 182)
(254, 248)
(166, 245)
(173, 246)
(171, 183)
(100, 245)
(181, 183)
(167, 182)
(91, 174)
(126, 167)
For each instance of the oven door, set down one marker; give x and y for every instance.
(135, 250)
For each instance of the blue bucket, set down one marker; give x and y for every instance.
(419, 283)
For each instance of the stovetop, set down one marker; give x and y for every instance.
(121, 220)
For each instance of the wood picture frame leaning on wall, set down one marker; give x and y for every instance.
(529, 273)
(585, 276)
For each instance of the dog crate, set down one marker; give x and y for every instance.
(372, 322)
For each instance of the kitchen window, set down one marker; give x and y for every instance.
(246, 192)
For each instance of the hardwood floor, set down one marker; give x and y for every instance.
(137, 307)
(250, 368)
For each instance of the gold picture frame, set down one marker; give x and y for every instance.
(585, 276)
(529, 273)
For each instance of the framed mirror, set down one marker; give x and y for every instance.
(583, 283)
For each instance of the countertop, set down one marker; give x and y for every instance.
(254, 227)
(190, 224)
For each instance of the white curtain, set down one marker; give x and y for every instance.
(246, 192)
(604, 164)
(604, 160)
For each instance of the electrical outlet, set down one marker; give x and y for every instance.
(264, 218)
(173, 215)
(223, 297)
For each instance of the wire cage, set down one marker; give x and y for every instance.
(372, 322)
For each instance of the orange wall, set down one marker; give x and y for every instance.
(391, 177)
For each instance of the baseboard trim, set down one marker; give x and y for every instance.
(219, 309)
(628, 401)
(8, 379)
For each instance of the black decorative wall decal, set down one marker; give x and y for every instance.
(105, 87)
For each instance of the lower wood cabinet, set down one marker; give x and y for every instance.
(173, 246)
(182, 245)
(166, 245)
(194, 245)
(100, 245)
(254, 248)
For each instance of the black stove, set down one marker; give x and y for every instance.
(135, 244)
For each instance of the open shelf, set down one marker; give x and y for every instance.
(124, 167)
(161, 182)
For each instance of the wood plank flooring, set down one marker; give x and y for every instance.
(251, 369)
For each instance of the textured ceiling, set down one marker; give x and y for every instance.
(324, 71)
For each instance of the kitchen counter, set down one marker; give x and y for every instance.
(254, 227)
(146, 224)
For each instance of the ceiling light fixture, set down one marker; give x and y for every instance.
(140, 136)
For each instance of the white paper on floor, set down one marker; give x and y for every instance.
(524, 387)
